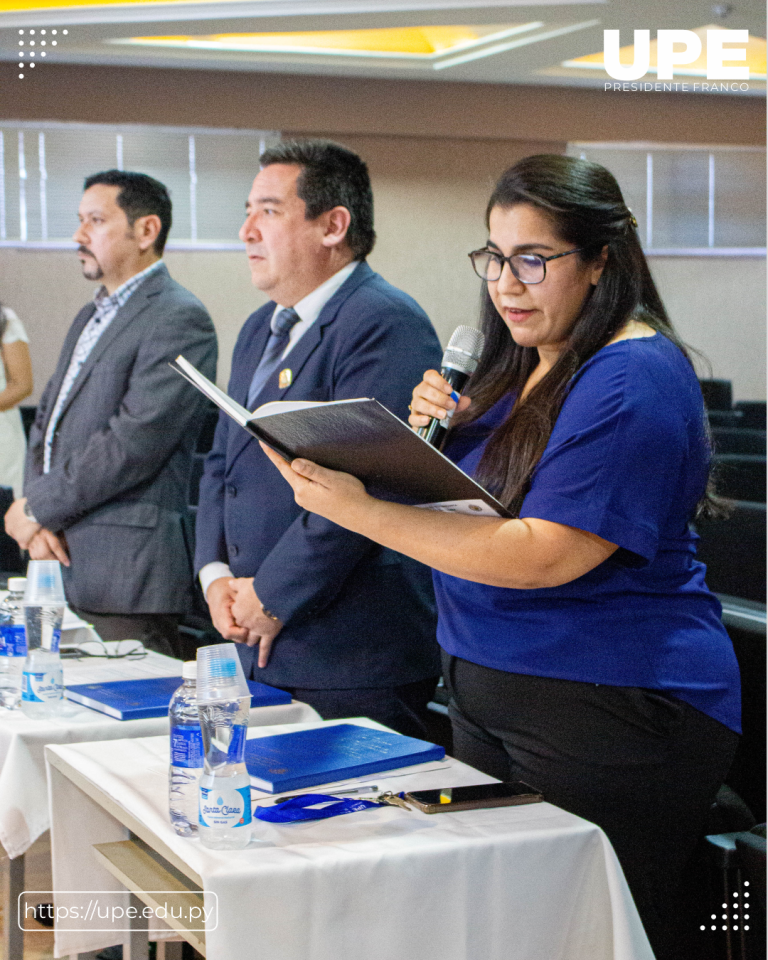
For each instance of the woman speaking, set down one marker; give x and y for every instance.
(583, 651)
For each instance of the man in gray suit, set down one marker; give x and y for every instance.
(107, 472)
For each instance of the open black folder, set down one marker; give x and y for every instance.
(360, 437)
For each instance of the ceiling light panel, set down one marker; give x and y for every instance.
(424, 44)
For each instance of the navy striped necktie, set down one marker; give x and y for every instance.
(281, 327)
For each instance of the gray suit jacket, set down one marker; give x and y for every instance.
(119, 477)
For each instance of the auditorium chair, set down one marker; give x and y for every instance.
(737, 864)
(729, 419)
(723, 412)
(27, 418)
(728, 863)
(11, 562)
(738, 440)
(718, 394)
(733, 548)
(740, 476)
(746, 625)
(751, 413)
(718, 867)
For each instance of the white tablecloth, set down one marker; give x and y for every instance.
(23, 792)
(529, 882)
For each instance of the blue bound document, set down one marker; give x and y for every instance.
(304, 758)
(262, 695)
(127, 699)
(150, 697)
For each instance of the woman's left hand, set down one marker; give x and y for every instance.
(329, 493)
(522, 554)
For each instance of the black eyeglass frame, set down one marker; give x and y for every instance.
(508, 260)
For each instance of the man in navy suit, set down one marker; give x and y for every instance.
(343, 624)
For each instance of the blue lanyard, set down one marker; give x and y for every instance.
(299, 808)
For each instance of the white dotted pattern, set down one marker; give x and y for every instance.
(27, 43)
(738, 916)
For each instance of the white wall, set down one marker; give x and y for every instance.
(430, 197)
(718, 307)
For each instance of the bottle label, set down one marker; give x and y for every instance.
(41, 687)
(225, 806)
(14, 639)
(186, 747)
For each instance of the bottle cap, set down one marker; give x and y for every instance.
(17, 584)
(189, 670)
(44, 584)
(220, 674)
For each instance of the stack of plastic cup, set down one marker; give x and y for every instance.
(223, 702)
(44, 603)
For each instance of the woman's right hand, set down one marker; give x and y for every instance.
(432, 398)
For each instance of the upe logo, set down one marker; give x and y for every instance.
(676, 48)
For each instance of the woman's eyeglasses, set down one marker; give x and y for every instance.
(527, 267)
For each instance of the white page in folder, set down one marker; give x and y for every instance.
(288, 406)
(238, 412)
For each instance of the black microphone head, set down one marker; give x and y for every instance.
(464, 349)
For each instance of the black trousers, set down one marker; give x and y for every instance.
(402, 708)
(642, 765)
(157, 631)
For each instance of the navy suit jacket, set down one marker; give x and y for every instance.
(355, 614)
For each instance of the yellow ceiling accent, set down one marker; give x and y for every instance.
(8, 6)
(395, 41)
(756, 57)
(419, 40)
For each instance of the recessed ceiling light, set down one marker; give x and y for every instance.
(420, 44)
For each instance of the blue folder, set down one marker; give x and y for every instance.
(304, 758)
(150, 696)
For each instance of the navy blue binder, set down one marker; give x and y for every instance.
(304, 758)
(150, 696)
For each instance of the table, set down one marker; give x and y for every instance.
(23, 790)
(529, 882)
(24, 814)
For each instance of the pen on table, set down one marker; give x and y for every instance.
(338, 792)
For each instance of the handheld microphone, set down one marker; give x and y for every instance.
(459, 363)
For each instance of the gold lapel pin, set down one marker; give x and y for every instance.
(285, 379)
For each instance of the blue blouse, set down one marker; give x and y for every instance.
(627, 460)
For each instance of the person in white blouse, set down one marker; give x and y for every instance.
(15, 386)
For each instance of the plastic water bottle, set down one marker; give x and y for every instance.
(225, 787)
(13, 649)
(186, 754)
(44, 603)
(223, 702)
(42, 683)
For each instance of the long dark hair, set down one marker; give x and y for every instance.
(583, 202)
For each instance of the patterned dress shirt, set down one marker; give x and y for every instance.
(106, 307)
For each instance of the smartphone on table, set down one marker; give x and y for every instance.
(474, 797)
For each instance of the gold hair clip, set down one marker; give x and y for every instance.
(632, 219)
